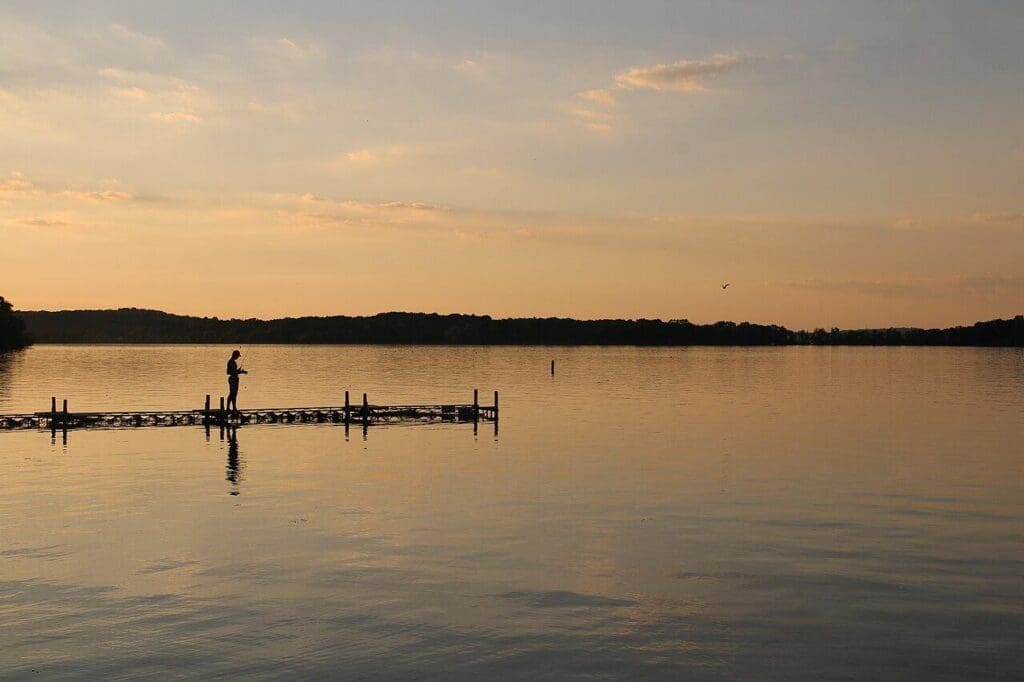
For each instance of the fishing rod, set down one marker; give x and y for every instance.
(245, 356)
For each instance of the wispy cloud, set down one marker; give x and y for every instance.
(137, 39)
(687, 75)
(315, 211)
(293, 50)
(1016, 219)
(378, 156)
(176, 117)
(595, 106)
(16, 184)
(592, 119)
(133, 93)
(469, 67)
(599, 96)
(44, 222)
(102, 195)
(593, 110)
(908, 224)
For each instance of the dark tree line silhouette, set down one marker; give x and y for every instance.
(131, 325)
(12, 328)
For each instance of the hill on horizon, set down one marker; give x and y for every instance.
(136, 325)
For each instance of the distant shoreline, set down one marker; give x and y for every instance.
(152, 327)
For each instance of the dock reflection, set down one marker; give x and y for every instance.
(235, 465)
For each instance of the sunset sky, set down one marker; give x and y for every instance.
(840, 163)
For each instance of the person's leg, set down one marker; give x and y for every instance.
(232, 405)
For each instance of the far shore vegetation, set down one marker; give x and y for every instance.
(132, 325)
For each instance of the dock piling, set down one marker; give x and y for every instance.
(552, 368)
(53, 404)
(366, 411)
(476, 405)
(347, 409)
(495, 406)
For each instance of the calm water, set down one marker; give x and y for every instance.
(706, 514)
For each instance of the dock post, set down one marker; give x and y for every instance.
(366, 411)
(65, 411)
(347, 409)
(476, 405)
(53, 404)
(223, 417)
(552, 368)
(495, 406)
(206, 410)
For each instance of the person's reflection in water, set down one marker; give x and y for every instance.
(234, 468)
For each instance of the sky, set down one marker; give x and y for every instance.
(852, 164)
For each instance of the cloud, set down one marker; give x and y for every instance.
(594, 112)
(44, 222)
(315, 211)
(132, 93)
(378, 156)
(687, 75)
(103, 195)
(139, 40)
(161, 97)
(999, 218)
(593, 119)
(469, 67)
(907, 224)
(18, 185)
(156, 85)
(600, 97)
(362, 156)
(175, 117)
(295, 52)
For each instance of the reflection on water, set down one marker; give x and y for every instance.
(647, 513)
(234, 467)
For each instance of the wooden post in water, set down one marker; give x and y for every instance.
(222, 415)
(206, 410)
(476, 405)
(552, 368)
(347, 409)
(65, 411)
(366, 411)
(495, 406)
(53, 404)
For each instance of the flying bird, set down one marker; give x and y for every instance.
(726, 285)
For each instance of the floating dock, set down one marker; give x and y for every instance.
(364, 414)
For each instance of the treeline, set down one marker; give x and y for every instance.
(12, 328)
(131, 325)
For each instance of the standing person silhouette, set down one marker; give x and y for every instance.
(233, 373)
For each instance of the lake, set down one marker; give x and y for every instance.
(645, 513)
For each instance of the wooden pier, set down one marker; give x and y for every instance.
(364, 413)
